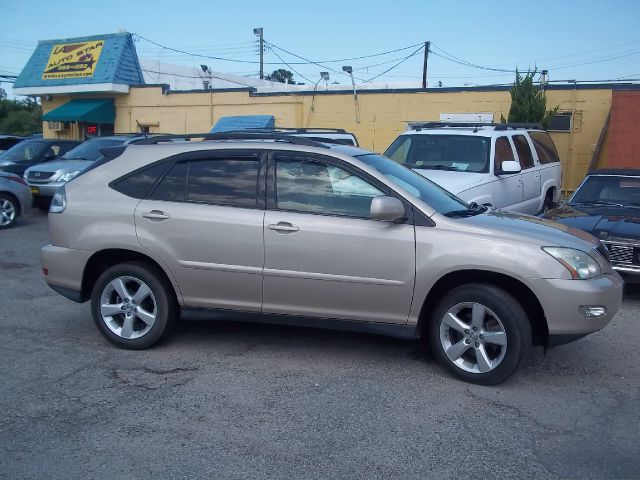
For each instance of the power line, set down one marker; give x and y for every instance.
(397, 64)
(295, 71)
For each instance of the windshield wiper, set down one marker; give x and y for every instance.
(474, 209)
(74, 158)
(439, 167)
(598, 202)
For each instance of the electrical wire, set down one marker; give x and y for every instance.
(397, 64)
(294, 70)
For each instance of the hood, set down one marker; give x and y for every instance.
(604, 222)
(58, 165)
(455, 182)
(527, 229)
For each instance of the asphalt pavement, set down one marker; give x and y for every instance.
(238, 401)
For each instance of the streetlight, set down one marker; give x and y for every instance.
(207, 84)
(349, 69)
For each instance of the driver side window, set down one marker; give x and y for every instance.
(503, 153)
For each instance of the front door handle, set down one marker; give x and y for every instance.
(283, 227)
(155, 215)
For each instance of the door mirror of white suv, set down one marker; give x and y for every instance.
(509, 166)
(387, 209)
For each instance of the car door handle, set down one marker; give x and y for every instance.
(283, 227)
(155, 215)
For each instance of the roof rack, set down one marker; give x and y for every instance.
(309, 130)
(241, 135)
(497, 126)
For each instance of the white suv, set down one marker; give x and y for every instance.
(510, 166)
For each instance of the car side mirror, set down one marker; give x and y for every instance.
(509, 167)
(387, 209)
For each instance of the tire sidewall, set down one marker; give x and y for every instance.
(510, 313)
(165, 304)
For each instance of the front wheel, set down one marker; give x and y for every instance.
(8, 211)
(480, 333)
(132, 305)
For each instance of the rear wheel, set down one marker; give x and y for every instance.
(8, 211)
(480, 333)
(132, 305)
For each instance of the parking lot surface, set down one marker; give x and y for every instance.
(223, 400)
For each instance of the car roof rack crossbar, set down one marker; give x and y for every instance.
(497, 126)
(235, 135)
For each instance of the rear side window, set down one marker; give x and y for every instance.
(139, 183)
(173, 187)
(524, 151)
(545, 147)
(224, 181)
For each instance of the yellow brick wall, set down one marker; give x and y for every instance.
(382, 115)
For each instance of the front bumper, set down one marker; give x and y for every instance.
(44, 189)
(562, 299)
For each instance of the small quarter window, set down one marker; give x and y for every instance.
(138, 184)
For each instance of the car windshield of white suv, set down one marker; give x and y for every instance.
(433, 195)
(456, 153)
(90, 150)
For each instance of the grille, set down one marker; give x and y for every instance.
(620, 253)
(40, 175)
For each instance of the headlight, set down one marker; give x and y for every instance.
(65, 177)
(59, 201)
(580, 264)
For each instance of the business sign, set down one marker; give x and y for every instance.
(73, 60)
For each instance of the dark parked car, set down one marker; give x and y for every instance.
(8, 141)
(607, 205)
(31, 152)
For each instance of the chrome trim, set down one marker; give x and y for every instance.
(331, 277)
(627, 269)
(219, 267)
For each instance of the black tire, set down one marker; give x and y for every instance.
(548, 203)
(162, 298)
(514, 322)
(11, 204)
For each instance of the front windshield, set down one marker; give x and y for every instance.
(433, 195)
(608, 189)
(442, 152)
(24, 152)
(90, 150)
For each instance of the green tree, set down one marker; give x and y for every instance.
(528, 101)
(19, 117)
(281, 75)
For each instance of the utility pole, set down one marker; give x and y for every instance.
(427, 45)
(259, 33)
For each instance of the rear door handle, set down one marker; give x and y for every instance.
(155, 215)
(283, 227)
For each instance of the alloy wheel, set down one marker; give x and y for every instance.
(473, 337)
(7, 212)
(128, 307)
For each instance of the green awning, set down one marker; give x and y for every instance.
(93, 110)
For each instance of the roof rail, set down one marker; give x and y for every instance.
(237, 135)
(497, 126)
(309, 130)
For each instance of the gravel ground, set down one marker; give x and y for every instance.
(223, 400)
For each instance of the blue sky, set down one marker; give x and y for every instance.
(561, 36)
